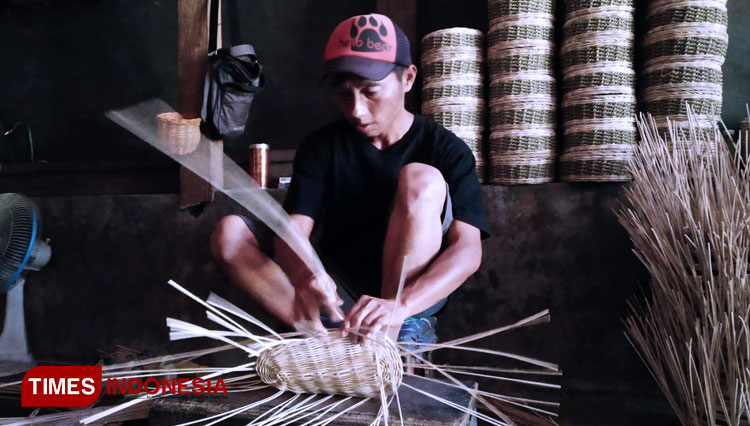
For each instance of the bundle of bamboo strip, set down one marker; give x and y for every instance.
(599, 90)
(689, 219)
(522, 91)
(685, 47)
(324, 364)
(453, 85)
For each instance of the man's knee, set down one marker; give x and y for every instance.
(421, 187)
(230, 238)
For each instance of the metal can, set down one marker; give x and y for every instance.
(259, 164)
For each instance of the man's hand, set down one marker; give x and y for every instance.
(370, 317)
(309, 296)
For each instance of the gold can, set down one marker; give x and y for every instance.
(259, 164)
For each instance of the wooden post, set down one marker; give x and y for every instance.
(192, 62)
(404, 13)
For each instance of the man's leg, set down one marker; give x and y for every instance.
(414, 227)
(238, 252)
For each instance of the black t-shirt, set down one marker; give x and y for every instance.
(340, 176)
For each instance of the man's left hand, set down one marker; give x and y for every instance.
(371, 316)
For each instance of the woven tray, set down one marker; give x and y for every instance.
(597, 54)
(456, 118)
(522, 116)
(521, 87)
(517, 169)
(598, 110)
(600, 137)
(525, 32)
(594, 171)
(452, 37)
(602, 163)
(500, 8)
(521, 143)
(694, 74)
(598, 25)
(572, 5)
(687, 14)
(679, 107)
(465, 91)
(517, 63)
(599, 79)
(443, 68)
(693, 46)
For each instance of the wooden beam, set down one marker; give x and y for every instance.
(192, 53)
(192, 62)
(404, 13)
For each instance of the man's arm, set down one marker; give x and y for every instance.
(445, 274)
(460, 259)
(310, 293)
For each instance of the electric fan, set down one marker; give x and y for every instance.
(21, 249)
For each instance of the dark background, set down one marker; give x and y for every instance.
(117, 234)
(66, 62)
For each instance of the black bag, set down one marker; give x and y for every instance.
(233, 77)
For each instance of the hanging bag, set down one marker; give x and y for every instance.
(234, 76)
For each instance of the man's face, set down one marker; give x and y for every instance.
(371, 106)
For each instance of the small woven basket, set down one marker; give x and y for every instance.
(335, 366)
(177, 135)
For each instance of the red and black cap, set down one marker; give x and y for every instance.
(370, 46)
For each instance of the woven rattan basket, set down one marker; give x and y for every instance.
(522, 94)
(313, 365)
(177, 135)
(453, 90)
(599, 90)
(685, 46)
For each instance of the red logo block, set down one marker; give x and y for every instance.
(61, 386)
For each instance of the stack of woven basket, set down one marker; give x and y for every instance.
(453, 85)
(599, 90)
(685, 48)
(522, 101)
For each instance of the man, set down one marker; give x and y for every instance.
(393, 191)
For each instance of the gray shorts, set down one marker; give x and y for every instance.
(347, 292)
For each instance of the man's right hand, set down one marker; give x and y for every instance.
(310, 295)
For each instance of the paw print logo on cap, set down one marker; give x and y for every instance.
(367, 35)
